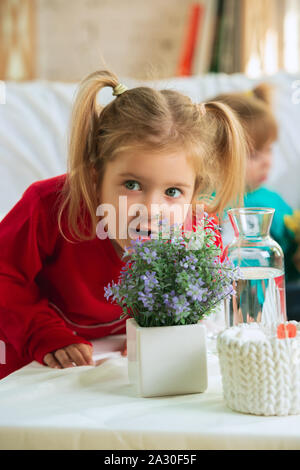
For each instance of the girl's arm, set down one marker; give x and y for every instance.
(27, 321)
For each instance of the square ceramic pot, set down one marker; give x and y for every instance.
(166, 360)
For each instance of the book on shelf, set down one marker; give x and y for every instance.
(214, 38)
(185, 65)
(203, 53)
(215, 59)
(230, 41)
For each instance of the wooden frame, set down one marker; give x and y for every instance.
(17, 39)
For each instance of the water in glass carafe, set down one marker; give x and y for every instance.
(260, 292)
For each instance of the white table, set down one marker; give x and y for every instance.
(95, 408)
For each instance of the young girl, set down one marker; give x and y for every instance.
(149, 146)
(254, 108)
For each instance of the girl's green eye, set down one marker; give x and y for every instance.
(132, 185)
(173, 192)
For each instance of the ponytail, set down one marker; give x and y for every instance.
(254, 111)
(229, 151)
(264, 92)
(79, 190)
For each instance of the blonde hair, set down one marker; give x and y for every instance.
(154, 120)
(254, 109)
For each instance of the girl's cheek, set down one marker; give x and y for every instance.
(249, 174)
(251, 168)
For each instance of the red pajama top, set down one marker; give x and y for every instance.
(51, 290)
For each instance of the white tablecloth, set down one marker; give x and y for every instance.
(96, 408)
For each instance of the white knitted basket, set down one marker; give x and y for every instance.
(260, 374)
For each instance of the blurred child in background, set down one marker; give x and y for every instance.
(254, 108)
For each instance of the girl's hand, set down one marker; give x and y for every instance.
(74, 354)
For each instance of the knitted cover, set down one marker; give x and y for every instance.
(260, 373)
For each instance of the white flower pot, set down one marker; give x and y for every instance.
(166, 360)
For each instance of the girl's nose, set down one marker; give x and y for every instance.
(152, 203)
(266, 161)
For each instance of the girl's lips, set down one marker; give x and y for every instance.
(145, 234)
(263, 178)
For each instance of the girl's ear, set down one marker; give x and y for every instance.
(264, 92)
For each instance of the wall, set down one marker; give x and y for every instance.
(136, 38)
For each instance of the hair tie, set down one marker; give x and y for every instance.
(119, 89)
(201, 108)
(249, 93)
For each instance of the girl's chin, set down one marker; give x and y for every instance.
(252, 187)
(134, 235)
(143, 235)
(138, 236)
(125, 244)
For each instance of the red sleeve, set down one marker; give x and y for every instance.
(27, 321)
(215, 227)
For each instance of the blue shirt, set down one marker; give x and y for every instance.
(263, 197)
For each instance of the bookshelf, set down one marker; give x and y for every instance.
(248, 36)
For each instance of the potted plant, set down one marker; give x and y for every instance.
(169, 284)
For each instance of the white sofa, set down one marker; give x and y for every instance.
(34, 126)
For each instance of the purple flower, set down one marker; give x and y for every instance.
(197, 293)
(163, 283)
(147, 254)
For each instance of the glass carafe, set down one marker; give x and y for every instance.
(260, 292)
